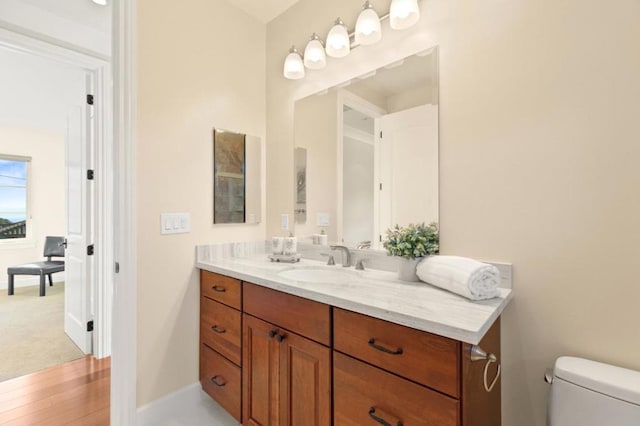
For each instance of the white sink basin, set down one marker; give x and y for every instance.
(319, 275)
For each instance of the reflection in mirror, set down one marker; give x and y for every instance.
(373, 152)
(237, 191)
(300, 168)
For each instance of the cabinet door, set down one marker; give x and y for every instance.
(260, 373)
(305, 374)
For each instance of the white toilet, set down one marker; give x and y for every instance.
(589, 393)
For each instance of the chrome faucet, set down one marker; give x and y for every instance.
(346, 255)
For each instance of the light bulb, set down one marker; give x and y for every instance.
(293, 66)
(338, 43)
(368, 26)
(403, 14)
(314, 56)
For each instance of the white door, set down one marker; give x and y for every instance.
(409, 142)
(77, 267)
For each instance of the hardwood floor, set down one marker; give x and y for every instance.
(75, 393)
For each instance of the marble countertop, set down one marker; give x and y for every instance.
(375, 293)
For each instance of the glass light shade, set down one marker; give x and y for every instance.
(314, 56)
(100, 2)
(368, 27)
(338, 43)
(403, 14)
(293, 66)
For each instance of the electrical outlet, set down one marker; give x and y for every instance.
(323, 219)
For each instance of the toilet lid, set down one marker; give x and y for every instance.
(617, 382)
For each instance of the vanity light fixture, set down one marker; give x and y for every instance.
(368, 29)
(293, 66)
(314, 56)
(100, 2)
(403, 14)
(338, 42)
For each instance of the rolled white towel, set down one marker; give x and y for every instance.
(461, 275)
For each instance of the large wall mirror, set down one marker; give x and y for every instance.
(371, 153)
(237, 195)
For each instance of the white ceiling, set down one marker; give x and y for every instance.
(264, 10)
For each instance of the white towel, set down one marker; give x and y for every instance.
(461, 275)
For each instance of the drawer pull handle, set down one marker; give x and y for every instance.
(218, 330)
(216, 381)
(272, 333)
(372, 343)
(372, 414)
(218, 289)
(280, 338)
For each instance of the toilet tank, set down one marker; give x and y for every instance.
(589, 393)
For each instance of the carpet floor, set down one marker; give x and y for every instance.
(32, 333)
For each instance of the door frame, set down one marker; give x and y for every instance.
(99, 67)
(124, 344)
(346, 98)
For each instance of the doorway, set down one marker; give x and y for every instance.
(88, 203)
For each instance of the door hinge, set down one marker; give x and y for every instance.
(380, 134)
(90, 325)
(90, 174)
(380, 237)
(117, 267)
(89, 99)
(90, 250)
(380, 186)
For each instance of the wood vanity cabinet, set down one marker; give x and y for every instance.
(287, 360)
(287, 375)
(220, 340)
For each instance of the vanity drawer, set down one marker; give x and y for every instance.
(419, 356)
(302, 316)
(223, 289)
(220, 328)
(366, 395)
(221, 380)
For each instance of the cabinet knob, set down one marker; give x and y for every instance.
(272, 333)
(218, 289)
(280, 338)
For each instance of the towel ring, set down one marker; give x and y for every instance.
(479, 354)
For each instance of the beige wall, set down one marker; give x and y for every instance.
(46, 196)
(200, 65)
(539, 103)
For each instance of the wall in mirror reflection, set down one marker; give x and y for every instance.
(372, 152)
(237, 193)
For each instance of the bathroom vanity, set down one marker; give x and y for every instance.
(369, 350)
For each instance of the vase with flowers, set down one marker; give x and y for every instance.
(412, 243)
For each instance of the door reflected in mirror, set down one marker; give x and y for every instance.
(372, 148)
(237, 193)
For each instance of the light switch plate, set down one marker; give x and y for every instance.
(284, 222)
(175, 223)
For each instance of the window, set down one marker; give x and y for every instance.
(14, 172)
